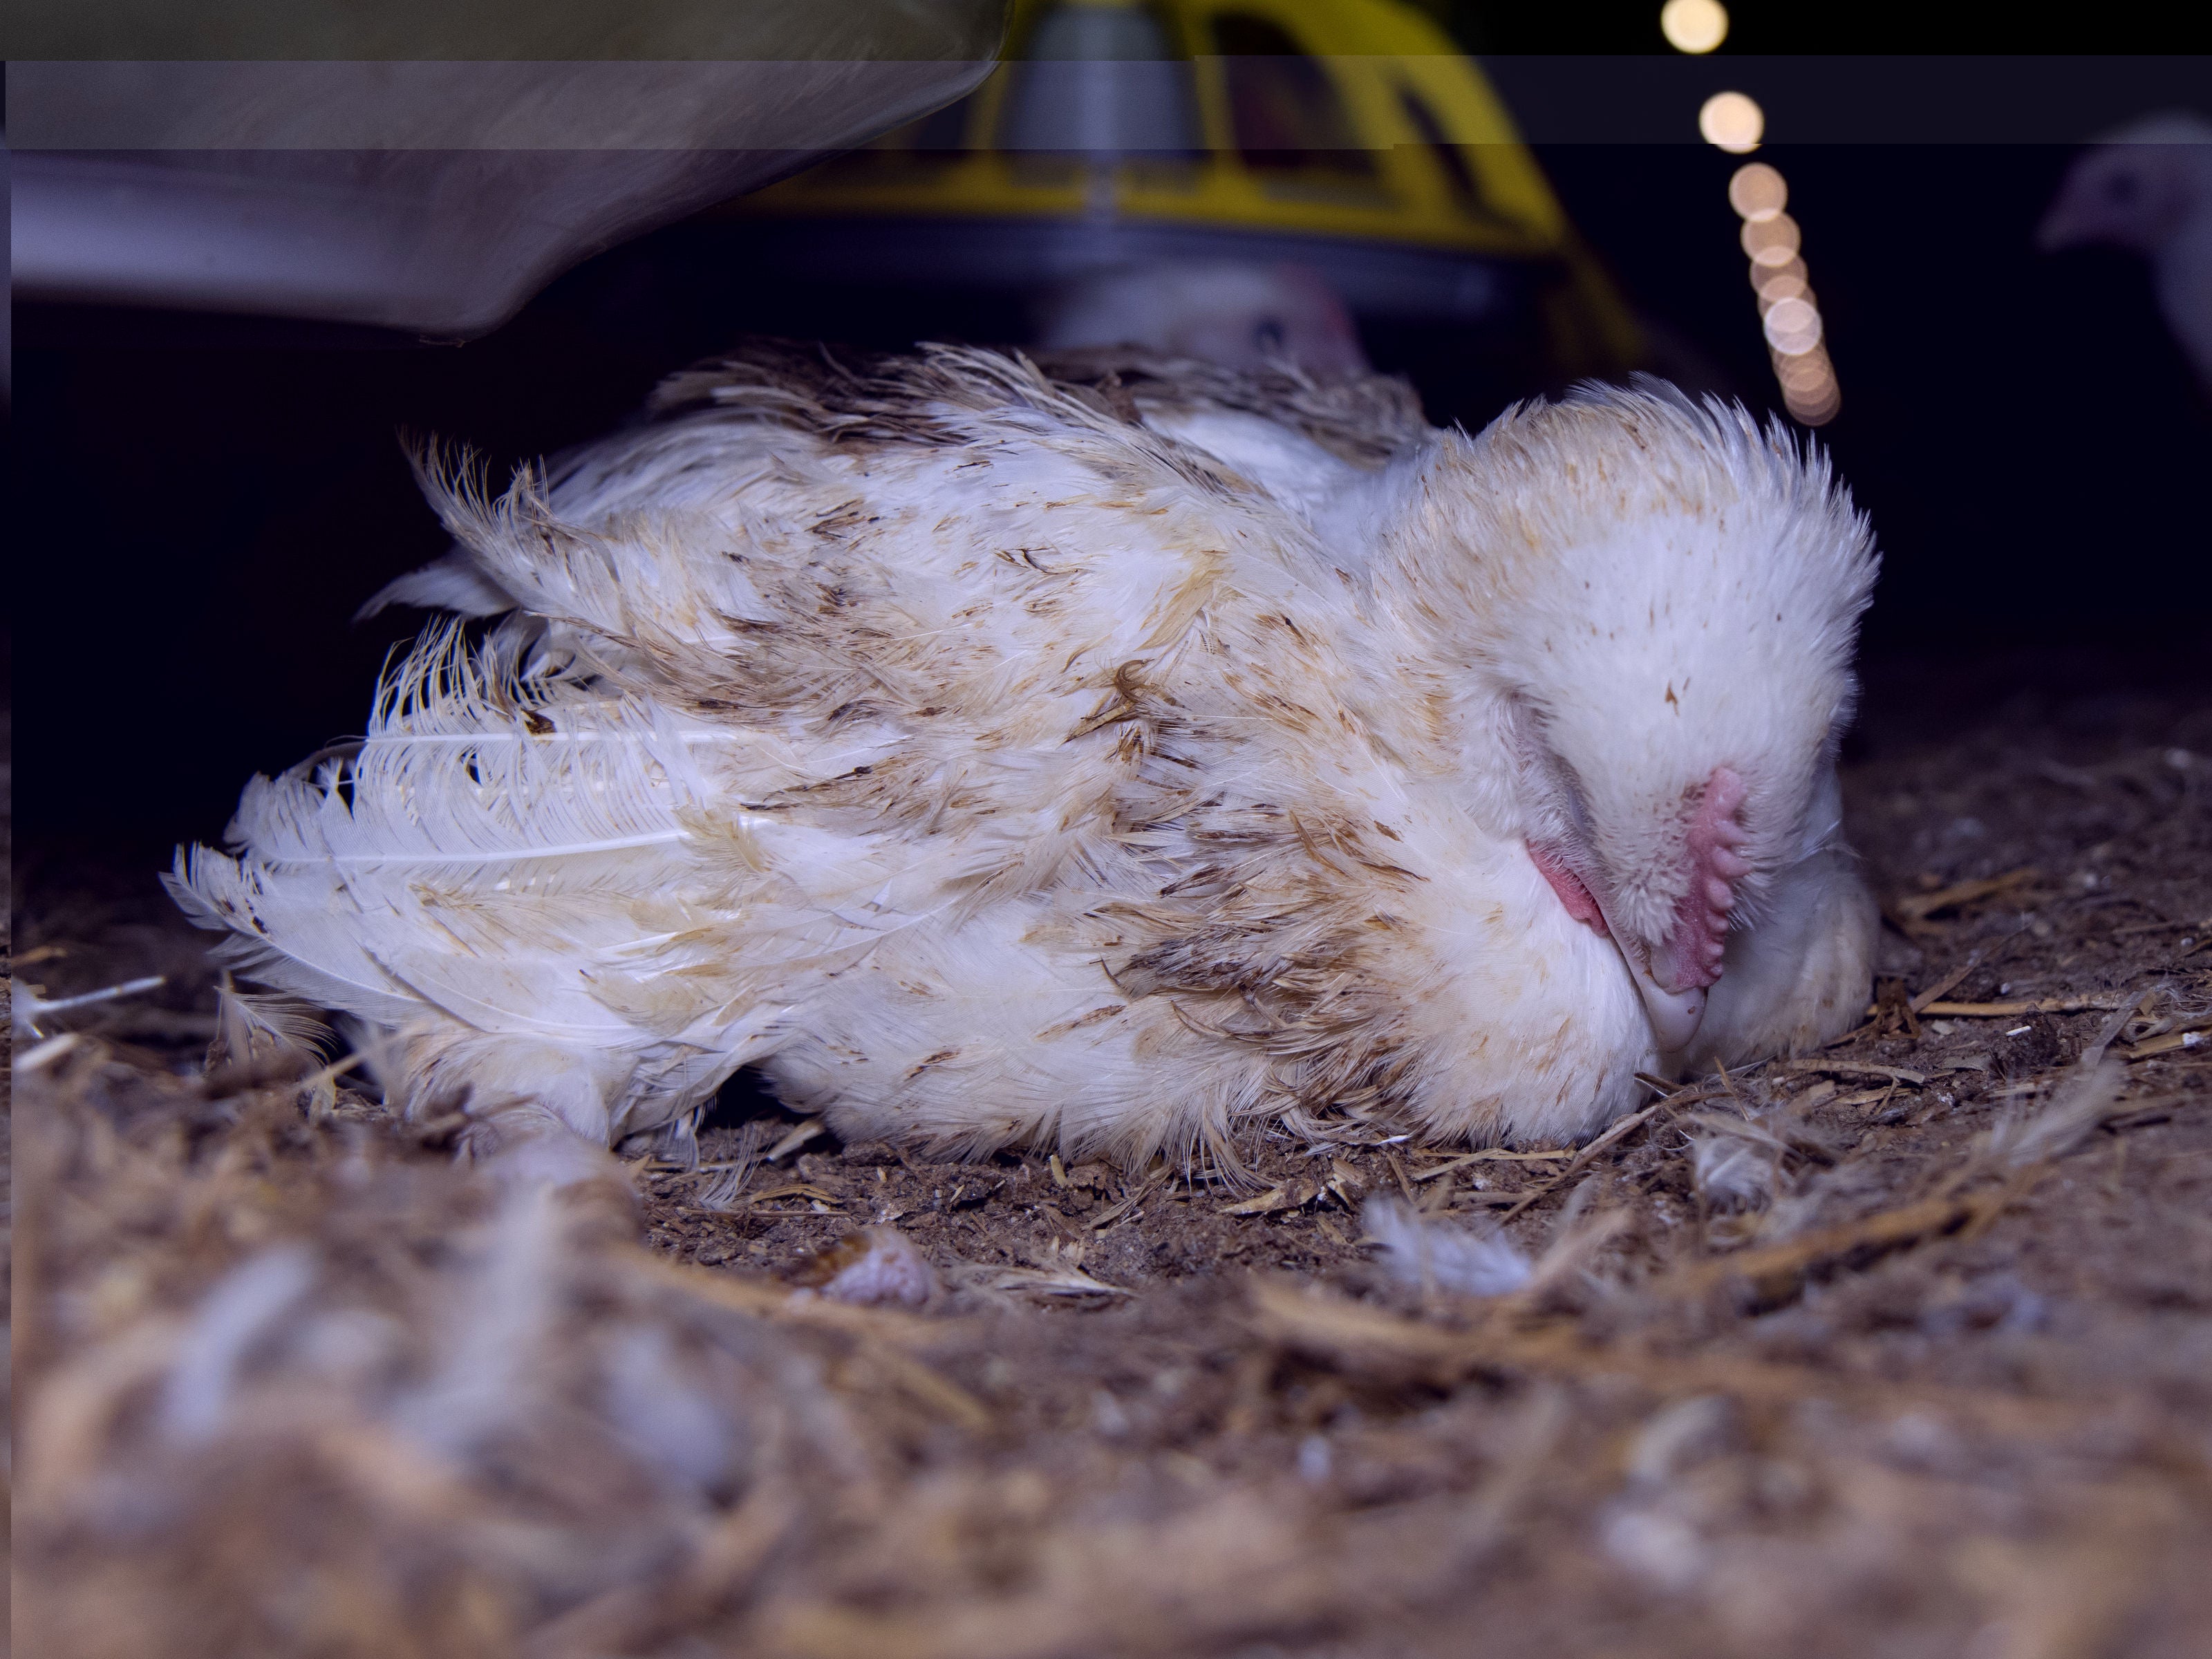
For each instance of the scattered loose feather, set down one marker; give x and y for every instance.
(241, 1311)
(874, 1267)
(1732, 1171)
(29, 1010)
(1441, 1255)
(2084, 1098)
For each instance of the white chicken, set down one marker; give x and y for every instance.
(2148, 188)
(1237, 314)
(1114, 762)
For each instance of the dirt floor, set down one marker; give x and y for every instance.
(1905, 1349)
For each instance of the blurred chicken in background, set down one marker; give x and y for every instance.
(1319, 185)
(1240, 316)
(2148, 188)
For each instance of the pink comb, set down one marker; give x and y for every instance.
(1690, 957)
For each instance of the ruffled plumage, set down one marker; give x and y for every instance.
(1108, 759)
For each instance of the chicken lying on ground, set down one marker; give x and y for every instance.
(990, 758)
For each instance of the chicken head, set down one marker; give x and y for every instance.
(1658, 605)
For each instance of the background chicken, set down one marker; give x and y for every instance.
(2150, 189)
(1238, 314)
(1112, 761)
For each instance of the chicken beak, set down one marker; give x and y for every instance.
(1675, 1016)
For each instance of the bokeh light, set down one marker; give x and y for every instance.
(1793, 327)
(1771, 241)
(1816, 411)
(1790, 317)
(1732, 122)
(1784, 285)
(1693, 26)
(1757, 192)
(1809, 391)
(1792, 269)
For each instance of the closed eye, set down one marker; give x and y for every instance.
(1552, 785)
(1559, 780)
(1571, 843)
(1571, 797)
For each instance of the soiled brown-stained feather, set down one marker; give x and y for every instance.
(1366, 420)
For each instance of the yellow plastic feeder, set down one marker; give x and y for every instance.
(1349, 137)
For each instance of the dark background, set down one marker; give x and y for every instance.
(1756, 27)
(199, 504)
